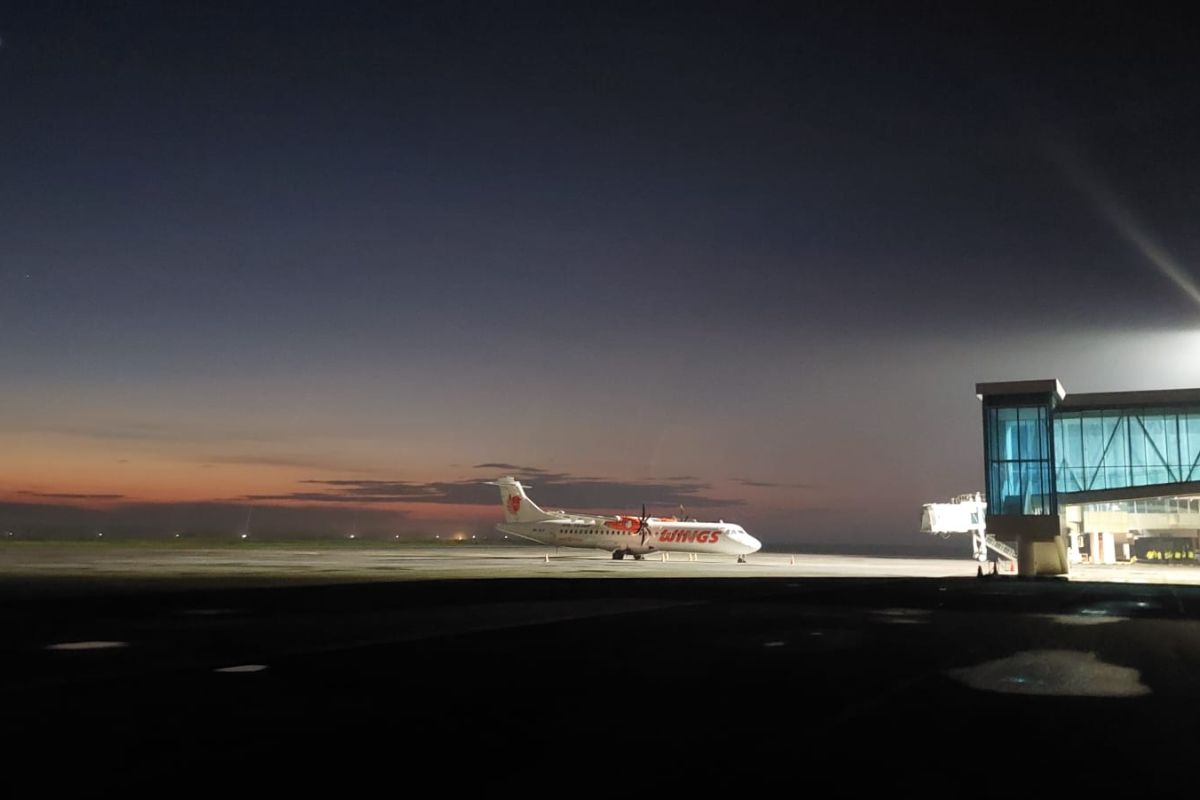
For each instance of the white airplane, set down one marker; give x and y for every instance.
(622, 536)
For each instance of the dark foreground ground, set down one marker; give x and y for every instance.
(953, 686)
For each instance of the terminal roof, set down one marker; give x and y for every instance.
(1020, 387)
(1153, 397)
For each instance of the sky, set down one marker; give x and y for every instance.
(342, 263)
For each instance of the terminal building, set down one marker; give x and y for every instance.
(1104, 477)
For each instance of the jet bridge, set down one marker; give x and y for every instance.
(965, 514)
(1045, 452)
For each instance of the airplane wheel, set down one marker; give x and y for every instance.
(639, 558)
(617, 556)
(741, 559)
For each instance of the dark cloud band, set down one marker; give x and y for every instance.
(557, 490)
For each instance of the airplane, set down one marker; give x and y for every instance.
(620, 535)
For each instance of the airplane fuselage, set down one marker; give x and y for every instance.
(620, 535)
(623, 534)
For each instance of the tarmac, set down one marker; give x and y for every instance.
(45, 566)
(354, 671)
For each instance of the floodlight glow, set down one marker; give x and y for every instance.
(1117, 214)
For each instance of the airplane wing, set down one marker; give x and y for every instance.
(520, 536)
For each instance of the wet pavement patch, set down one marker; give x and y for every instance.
(1063, 673)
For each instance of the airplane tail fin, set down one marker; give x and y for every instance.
(517, 505)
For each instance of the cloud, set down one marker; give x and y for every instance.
(153, 435)
(217, 517)
(510, 468)
(325, 497)
(323, 507)
(374, 491)
(281, 460)
(72, 496)
(769, 485)
(556, 490)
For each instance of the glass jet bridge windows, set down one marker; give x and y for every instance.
(1018, 456)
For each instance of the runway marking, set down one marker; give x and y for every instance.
(242, 668)
(92, 645)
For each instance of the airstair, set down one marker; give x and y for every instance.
(999, 548)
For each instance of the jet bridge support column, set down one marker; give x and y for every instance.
(1104, 547)
(1074, 556)
(1073, 517)
(1041, 542)
(1108, 548)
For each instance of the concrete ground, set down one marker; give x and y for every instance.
(116, 564)
(342, 672)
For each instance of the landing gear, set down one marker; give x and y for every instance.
(638, 557)
(618, 555)
(741, 559)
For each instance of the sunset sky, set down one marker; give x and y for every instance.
(343, 262)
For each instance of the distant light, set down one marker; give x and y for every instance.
(436, 536)
(177, 535)
(352, 536)
(98, 533)
(472, 536)
(397, 536)
(244, 535)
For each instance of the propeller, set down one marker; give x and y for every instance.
(642, 527)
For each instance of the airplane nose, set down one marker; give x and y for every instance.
(754, 544)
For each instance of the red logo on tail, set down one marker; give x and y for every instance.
(514, 503)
